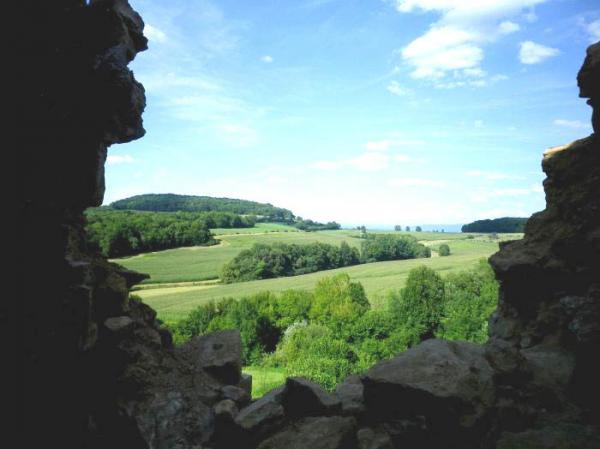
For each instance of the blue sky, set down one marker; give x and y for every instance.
(359, 111)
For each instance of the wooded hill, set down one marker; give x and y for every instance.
(170, 202)
(504, 224)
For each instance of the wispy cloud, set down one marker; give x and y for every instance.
(593, 29)
(395, 88)
(455, 43)
(116, 159)
(266, 59)
(575, 124)
(532, 53)
(154, 34)
(377, 156)
(416, 182)
(489, 175)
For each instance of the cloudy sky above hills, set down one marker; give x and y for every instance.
(360, 111)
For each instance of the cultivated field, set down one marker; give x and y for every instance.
(184, 278)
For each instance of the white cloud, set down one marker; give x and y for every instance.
(154, 34)
(593, 29)
(454, 44)
(117, 159)
(508, 27)
(395, 88)
(575, 124)
(532, 53)
(266, 59)
(370, 161)
(386, 144)
(489, 175)
(237, 135)
(326, 165)
(416, 182)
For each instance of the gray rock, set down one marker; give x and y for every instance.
(226, 409)
(333, 432)
(369, 438)
(118, 323)
(351, 395)
(220, 354)
(306, 398)
(246, 383)
(265, 411)
(236, 394)
(450, 383)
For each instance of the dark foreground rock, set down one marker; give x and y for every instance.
(98, 371)
(334, 432)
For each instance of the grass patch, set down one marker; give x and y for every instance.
(264, 379)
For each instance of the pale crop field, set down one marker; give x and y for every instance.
(200, 263)
(173, 302)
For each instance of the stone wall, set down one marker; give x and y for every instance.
(97, 371)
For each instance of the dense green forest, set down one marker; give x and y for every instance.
(118, 233)
(269, 261)
(333, 331)
(504, 224)
(169, 202)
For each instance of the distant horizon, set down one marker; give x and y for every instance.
(426, 227)
(413, 110)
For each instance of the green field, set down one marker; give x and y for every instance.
(179, 275)
(264, 379)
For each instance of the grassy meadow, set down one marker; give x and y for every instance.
(183, 278)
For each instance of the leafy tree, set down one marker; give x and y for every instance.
(418, 229)
(407, 229)
(470, 298)
(379, 247)
(444, 250)
(397, 228)
(338, 300)
(419, 305)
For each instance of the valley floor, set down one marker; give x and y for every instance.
(183, 278)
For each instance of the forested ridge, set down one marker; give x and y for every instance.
(504, 224)
(170, 202)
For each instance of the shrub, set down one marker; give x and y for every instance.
(444, 250)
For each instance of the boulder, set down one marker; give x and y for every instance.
(449, 383)
(118, 323)
(333, 432)
(236, 394)
(220, 355)
(305, 398)
(369, 438)
(262, 413)
(351, 396)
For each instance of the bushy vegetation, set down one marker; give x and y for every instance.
(168, 202)
(279, 259)
(504, 224)
(444, 250)
(268, 261)
(379, 247)
(309, 225)
(121, 233)
(333, 331)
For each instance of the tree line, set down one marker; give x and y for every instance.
(264, 261)
(118, 233)
(334, 331)
(504, 224)
(310, 225)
